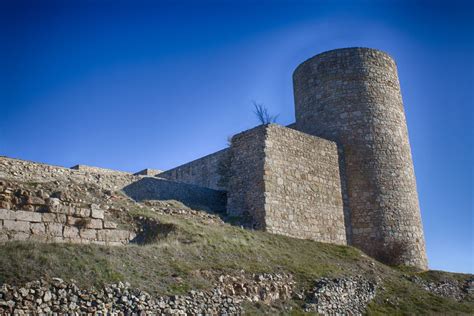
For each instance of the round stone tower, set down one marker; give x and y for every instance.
(352, 96)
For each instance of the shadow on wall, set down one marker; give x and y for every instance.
(193, 196)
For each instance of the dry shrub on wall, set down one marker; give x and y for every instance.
(262, 114)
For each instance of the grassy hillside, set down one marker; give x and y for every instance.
(188, 251)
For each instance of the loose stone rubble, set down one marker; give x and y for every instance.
(343, 296)
(457, 290)
(59, 297)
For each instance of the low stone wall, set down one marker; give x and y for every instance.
(57, 297)
(150, 188)
(42, 218)
(205, 172)
(28, 171)
(148, 172)
(138, 187)
(288, 182)
(92, 169)
(64, 224)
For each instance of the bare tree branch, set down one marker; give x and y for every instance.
(262, 114)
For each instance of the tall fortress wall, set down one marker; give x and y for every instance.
(342, 173)
(352, 96)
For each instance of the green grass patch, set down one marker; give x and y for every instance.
(173, 263)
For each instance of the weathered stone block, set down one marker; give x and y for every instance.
(94, 223)
(88, 233)
(38, 228)
(54, 229)
(16, 225)
(110, 225)
(19, 235)
(25, 216)
(61, 218)
(49, 217)
(82, 212)
(53, 202)
(96, 212)
(70, 232)
(4, 213)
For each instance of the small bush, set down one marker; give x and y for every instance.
(393, 253)
(151, 230)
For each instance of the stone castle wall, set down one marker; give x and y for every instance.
(137, 187)
(193, 196)
(28, 171)
(36, 216)
(342, 173)
(148, 172)
(205, 171)
(99, 170)
(246, 194)
(303, 196)
(352, 96)
(288, 182)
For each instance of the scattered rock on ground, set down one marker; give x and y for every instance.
(342, 296)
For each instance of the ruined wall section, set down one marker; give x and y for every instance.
(36, 216)
(137, 187)
(303, 196)
(352, 96)
(28, 171)
(205, 172)
(93, 169)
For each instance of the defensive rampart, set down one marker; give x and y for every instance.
(205, 172)
(288, 182)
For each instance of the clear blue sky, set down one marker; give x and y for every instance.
(133, 85)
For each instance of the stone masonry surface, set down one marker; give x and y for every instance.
(22, 170)
(246, 192)
(297, 177)
(303, 196)
(352, 96)
(204, 171)
(34, 215)
(142, 187)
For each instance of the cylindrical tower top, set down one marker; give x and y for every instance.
(331, 72)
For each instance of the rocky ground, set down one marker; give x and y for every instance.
(328, 297)
(57, 296)
(339, 296)
(454, 289)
